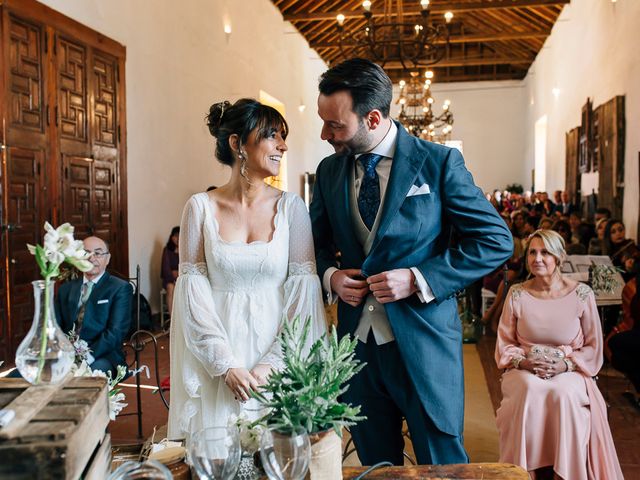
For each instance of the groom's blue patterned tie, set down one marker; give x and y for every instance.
(369, 196)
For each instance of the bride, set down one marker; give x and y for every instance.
(246, 265)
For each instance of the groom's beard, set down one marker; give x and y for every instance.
(359, 143)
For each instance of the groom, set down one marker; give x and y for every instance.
(390, 204)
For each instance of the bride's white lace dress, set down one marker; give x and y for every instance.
(230, 299)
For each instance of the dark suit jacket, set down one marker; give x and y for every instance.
(107, 315)
(570, 208)
(416, 232)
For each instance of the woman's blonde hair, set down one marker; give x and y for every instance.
(553, 242)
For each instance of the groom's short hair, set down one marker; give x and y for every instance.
(370, 87)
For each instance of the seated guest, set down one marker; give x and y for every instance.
(565, 207)
(516, 273)
(552, 419)
(564, 229)
(622, 251)
(574, 222)
(596, 243)
(622, 346)
(602, 213)
(586, 231)
(170, 262)
(98, 305)
(545, 223)
(520, 228)
(544, 206)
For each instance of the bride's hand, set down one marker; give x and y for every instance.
(261, 373)
(240, 381)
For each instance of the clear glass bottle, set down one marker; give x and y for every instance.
(45, 355)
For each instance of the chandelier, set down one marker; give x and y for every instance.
(390, 38)
(416, 110)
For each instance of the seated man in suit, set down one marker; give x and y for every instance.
(566, 207)
(99, 306)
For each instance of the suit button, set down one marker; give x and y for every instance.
(371, 308)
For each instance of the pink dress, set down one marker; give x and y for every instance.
(561, 421)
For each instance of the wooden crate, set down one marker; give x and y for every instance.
(58, 433)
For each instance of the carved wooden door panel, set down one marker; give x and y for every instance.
(25, 199)
(62, 132)
(105, 148)
(87, 93)
(26, 125)
(4, 317)
(88, 193)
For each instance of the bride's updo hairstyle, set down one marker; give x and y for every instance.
(242, 118)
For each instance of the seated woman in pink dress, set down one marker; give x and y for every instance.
(552, 419)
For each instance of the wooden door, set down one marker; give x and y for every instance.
(63, 128)
(26, 125)
(610, 152)
(572, 174)
(87, 91)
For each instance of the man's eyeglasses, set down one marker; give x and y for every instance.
(97, 253)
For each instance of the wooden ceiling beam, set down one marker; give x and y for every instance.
(465, 62)
(434, 10)
(473, 38)
(469, 77)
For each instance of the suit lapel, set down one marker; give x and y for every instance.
(407, 162)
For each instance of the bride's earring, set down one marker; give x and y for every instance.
(243, 164)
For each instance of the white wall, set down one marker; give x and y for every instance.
(179, 62)
(489, 118)
(592, 52)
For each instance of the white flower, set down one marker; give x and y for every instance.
(116, 405)
(53, 256)
(98, 373)
(82, 370)
(72, 248)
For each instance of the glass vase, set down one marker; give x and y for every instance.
(45, 355)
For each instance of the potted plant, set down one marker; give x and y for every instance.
(305, 394)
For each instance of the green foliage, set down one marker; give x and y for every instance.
(514, 188)
(604, 278)
(306, 392)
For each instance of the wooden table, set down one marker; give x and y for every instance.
(484, 471)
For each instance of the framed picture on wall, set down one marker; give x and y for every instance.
(586, 138)
(309, 182)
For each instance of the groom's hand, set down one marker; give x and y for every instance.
(393, 285)
(349, 285)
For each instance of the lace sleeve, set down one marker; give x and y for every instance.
(194, 314)
(302, 290)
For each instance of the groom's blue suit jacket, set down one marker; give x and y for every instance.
(416, 231)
